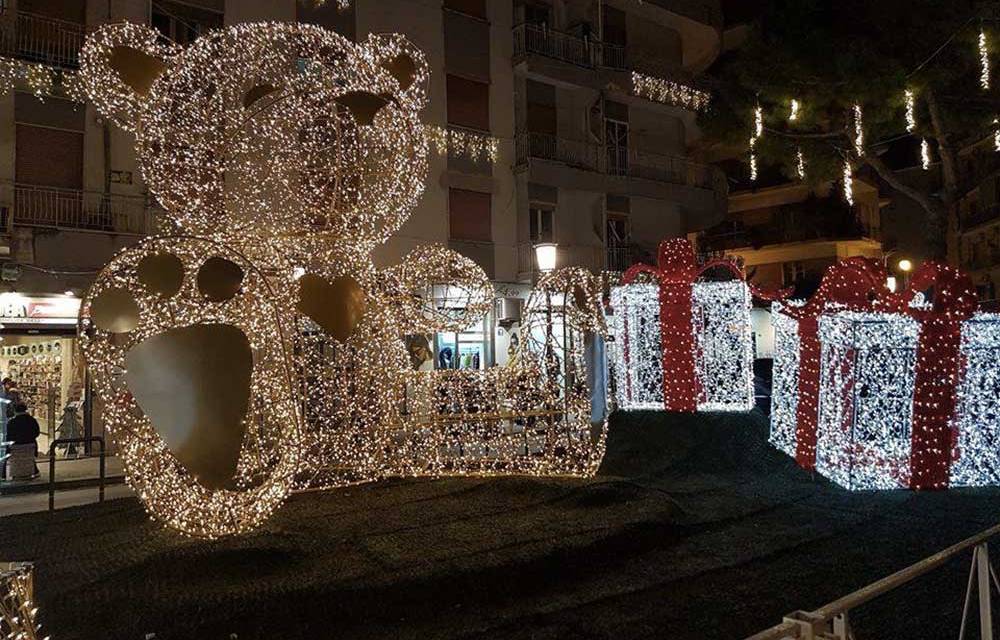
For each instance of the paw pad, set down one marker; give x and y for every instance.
(178, 345)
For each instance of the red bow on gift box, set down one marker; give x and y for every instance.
(853, 284)
(949, 300)
(676, 272)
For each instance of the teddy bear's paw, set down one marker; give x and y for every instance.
(188, 349)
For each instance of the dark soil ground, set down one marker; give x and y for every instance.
(694, 529)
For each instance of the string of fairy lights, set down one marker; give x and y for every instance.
(18, 613)
(877, 390)
(857, 138)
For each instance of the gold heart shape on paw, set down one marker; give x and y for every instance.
(193, 383)
(337, 306)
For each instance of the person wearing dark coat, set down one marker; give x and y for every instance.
(23, 428)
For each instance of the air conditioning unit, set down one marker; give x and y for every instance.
(509, 311)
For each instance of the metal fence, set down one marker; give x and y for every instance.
(36, 206)
(832, 621)
(40, 39)
(619, 161)
(585, 52)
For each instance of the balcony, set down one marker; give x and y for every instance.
(70, 209)
(583, 52)
(619, 162)
(825, 220)
(39, 39)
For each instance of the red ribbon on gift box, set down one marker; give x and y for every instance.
(853, 284)
(676, 272)
(950, 299)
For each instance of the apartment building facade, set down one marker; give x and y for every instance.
(591, 106)
(974, 227)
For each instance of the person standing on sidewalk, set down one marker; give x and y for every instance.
(23, 431)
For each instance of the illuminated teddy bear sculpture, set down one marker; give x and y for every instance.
(255, 345)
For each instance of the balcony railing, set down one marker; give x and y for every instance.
(35, 206)
(617, 258)
(40, 39)
(533, 38)
(590, 257)
(619, 161)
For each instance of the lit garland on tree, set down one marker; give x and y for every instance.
(911, 116)
(848, 182)
(925, 154)
(800, 165)
(793, 113)
(984, 61)
(859, 132)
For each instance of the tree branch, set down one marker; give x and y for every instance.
(936, 212)
(949, 167)
(828, 135)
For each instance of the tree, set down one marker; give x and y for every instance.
(832, 55)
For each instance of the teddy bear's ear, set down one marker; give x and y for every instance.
(405, 63)
(119, 63)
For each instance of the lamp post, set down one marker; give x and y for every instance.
(545, 256)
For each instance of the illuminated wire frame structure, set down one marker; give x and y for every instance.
(905, 383)
(18, 613)
(852, 284)
(257, 348)
(683, 344)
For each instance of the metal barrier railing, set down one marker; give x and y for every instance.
(831, 621)
(52, 465)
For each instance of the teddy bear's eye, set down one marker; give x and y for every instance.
(403, 69)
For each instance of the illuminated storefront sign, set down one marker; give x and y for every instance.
(18, 309)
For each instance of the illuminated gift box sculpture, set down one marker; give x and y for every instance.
(850, 284)
(977, 412)
(889, 384)
(681, 344)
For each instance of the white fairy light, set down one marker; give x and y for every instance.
(785, 379)
(996, 134)
(977, 409)
(793, 113)
(669, 92)
(859, 131)
(723, 346)
(911, 117)
(984, 61)
(470, 144)
(758, 122)
(291, 153)
(863, 438)
(848, 183)
(800, 164)
(925, 154)
(18, 614)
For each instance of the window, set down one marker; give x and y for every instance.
(48, 142)
(541, 99)
(537, 14)
(183, 23)
(540, 224)
(466, 46)
(468, 103)
(475, 8)
(618, 230)
(614, 26)
(469, 215)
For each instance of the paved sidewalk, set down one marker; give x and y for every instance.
(67, 470)
(33, 502)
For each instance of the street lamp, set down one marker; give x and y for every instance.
(545, 256)
(904, 265)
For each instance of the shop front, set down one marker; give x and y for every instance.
(39, 353)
